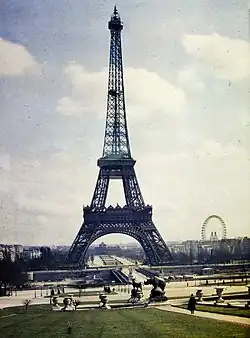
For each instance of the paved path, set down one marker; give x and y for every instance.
(124, 260)
(96, 263)
(139, 277)
(210, 315)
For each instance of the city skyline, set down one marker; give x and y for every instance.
(186, 91)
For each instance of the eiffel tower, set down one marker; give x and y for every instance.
(135, 218)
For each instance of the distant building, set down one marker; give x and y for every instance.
(31, 253)
(133, 245)
(178, 248)
(213, 237)
(103, 249)
(239, 247)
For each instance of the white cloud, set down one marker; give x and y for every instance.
(186, 187)
(45, 197)
(184, 177)
(226, 58)
(147, 94)
(211, 148)
(150, 94)
(245, 120)
(68, 107)
(5, 160)
(16, 60)
(189, 79)
(181, 170)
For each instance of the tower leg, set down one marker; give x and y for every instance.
(156, 251)
(101, 190)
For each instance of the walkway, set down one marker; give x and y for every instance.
(97, 262)
(22, 295)
(210, 315)
(139, 277)
(124, 261)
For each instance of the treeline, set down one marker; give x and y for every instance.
(13, 272)
(217, 255)
(12, 275)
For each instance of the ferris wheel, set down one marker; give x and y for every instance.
(222, 224)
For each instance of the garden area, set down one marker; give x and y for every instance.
(38, 321)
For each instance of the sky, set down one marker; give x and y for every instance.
(187, 80)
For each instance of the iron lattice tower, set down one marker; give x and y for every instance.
(135, 218)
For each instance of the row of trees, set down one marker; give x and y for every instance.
(12, 275)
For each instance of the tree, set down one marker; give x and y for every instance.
(26, 303)
(11, 273)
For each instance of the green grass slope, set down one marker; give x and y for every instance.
(136, 323)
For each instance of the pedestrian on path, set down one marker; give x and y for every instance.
(191, 304)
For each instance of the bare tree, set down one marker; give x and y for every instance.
(26, 303)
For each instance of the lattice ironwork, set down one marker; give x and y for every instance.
(116, 140)
(135, 218)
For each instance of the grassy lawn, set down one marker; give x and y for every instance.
(136, 323)
(222, 310)
(33, 309)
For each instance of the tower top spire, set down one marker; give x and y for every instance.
(115, 22)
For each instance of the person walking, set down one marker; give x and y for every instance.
(191, 304)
